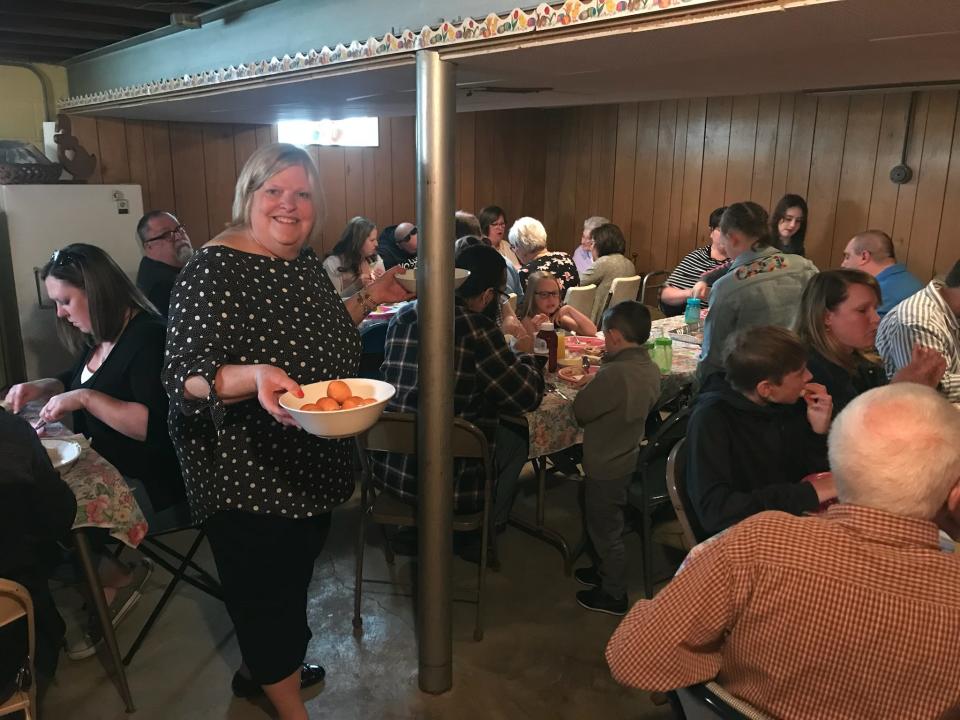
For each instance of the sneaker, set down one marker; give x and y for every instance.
(123, 602)
(598, 601)
(588, 576)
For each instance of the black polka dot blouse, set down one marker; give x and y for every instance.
(233, 308)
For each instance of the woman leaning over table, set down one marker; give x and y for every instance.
(113, 395)
(253, 315)
(838, 324)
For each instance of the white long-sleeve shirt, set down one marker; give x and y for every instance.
(925, 319)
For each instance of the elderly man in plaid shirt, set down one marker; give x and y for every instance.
(490, 380)
(851, 614)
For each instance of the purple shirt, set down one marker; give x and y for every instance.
(583, 258)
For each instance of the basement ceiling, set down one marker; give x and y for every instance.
(836, 45)
(52, 31)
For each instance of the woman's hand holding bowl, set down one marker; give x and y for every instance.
(385, 289)
(272, 382)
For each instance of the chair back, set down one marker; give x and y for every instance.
(512, 301)
(16, 604)
(655, 280)
(581, 298)
(624, 288)
(654, 456)
(676, 487)
(710, 701)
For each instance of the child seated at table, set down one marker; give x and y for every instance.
(543, 303)
(613, 410)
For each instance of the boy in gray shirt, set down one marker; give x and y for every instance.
(613, 409)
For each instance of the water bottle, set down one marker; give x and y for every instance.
(691, 314)
(663, 354)
(549, 336)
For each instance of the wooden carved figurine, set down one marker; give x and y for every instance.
(77, 161)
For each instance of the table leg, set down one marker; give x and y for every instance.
(538, 529)
(103, 614)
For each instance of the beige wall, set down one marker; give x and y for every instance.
(21, 107)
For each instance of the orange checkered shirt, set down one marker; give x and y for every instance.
(852, 614)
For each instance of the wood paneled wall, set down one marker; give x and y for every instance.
(658, 169)
(191, 169)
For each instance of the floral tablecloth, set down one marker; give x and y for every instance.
(552, 426)
(104, 499)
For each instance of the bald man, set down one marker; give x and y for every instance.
(853, 613)
(398, 245)
(872, 251)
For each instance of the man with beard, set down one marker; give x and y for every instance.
(166, 249)
(490, 380)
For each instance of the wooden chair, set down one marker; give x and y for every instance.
(655, 280)
(676, 487)
(581, 298)
(625, 288)
(648, 490)
(15, 604)
(710, 701)
(397, 433)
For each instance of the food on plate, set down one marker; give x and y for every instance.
(339, 391)
(593, 351)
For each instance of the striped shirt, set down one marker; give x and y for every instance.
(851, 614)
(691, 269)
(488, 380)
(925, 319)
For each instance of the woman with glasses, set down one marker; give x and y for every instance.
(493, 225)
(253, 315)
(113, 391)
(608, 248)
(583, 256)
(544, 304)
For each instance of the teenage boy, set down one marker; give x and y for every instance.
(752, 440)
(613, 410)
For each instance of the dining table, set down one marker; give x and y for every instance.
(552, 426)
(104, 500)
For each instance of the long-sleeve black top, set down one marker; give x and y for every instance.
(744, 458)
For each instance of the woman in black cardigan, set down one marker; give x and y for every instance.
(113, 391)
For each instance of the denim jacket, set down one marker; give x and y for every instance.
(763, 287)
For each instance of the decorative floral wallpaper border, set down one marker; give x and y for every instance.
(545, 17)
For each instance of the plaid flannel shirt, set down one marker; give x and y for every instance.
(489, 379)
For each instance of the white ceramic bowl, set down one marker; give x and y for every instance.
(63, 453)
(339, 423)
(408, 278)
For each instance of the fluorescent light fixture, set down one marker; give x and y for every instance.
(348, 132)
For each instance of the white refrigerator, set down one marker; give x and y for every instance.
(35, 220)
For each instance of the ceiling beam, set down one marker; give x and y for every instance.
(75, 30)
(152, 7)
(40, 42)
(54, 10)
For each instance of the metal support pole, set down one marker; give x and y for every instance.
(436, 109)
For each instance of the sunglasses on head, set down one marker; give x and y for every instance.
(408, 235)
(64, 257)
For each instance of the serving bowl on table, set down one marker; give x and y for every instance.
(339, 423)
(63, 454)
(408, 278)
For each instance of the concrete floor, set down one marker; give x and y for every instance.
(542, 656)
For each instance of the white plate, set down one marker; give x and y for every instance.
(63, 453)
(408, 278)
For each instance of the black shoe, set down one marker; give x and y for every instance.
(588, 576)
(244, 687)
(598, 601)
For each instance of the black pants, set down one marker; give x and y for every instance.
(265, 564)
